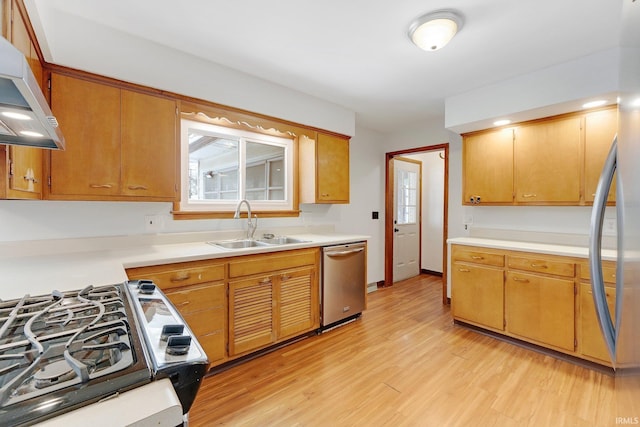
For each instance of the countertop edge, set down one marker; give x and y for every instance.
(542, 248)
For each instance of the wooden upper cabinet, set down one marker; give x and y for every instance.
(547, 162)
(89, 117)
(488, 167)
(22, 166)
(149, 156)
(600, 129)
(121, 145)
(324, 169)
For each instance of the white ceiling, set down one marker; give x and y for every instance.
(355, 53)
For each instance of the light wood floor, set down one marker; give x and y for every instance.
(404, 363)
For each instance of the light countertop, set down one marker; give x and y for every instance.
(542, 248)
(40, 270)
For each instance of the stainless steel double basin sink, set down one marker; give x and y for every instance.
(251, 243)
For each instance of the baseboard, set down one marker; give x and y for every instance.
(431, 272)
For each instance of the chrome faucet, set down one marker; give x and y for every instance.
(251, 225)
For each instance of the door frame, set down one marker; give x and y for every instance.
(388, 215)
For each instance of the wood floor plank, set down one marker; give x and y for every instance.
(404, 363)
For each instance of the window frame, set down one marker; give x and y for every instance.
(215, 206)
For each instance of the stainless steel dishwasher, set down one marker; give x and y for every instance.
(344, 283)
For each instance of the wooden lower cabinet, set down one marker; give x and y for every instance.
(542, 299)
(251, 314)
(267, 309)
(238, 305)
(592, 345)
(478, 295)
(203, 307)
(198, 291)
(541, 309)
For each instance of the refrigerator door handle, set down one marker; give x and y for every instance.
(595, 254)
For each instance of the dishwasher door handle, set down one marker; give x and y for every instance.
(343, 253)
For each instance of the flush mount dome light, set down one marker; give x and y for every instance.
(434, 30)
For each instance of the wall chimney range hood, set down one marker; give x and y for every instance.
(25, 117)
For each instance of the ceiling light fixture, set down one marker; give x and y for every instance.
(434, 30)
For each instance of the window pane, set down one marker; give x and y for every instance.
(407, 196)
(262, 176)
(213, 167)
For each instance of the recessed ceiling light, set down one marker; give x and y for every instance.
(594, 104)
(501, 122)
(434, 30)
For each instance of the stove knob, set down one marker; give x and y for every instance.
(146, 287)
(178, 345)
(169, 330)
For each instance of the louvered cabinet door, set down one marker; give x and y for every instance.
(251, 314)
(298, 302)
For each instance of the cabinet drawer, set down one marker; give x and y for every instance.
(198, 298)
(557, 268)
(478, 257)
(246, 266)
(174, 276)
(608, 272)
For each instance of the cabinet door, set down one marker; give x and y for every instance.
(298, 309)
(541, 309)
(149, 152)
(477, 295)
(25, 173)
(593, 344)
(488, 167)
(600, 128)
(89, 116)
(332, 169)
(547, 162)
(251, 315)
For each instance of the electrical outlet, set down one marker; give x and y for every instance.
(153, 223)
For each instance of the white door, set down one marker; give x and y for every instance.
(407, 177)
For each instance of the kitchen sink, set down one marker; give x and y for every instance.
(250, 243)
(281, 240)
(238, 244)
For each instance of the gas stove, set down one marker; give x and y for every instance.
(66, 350)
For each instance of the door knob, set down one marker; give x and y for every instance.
(396, 230)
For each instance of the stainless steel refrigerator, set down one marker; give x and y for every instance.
(622, 335)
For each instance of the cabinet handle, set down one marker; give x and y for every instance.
(266, 281)
(138, 187)
(476, 257)
(285, 277)
(325, 194)
(181, 278)
(517, 279)
(464, 270)
(30, 178)
(534, 265)
(528, 195)
(183, 303)
(100, 185)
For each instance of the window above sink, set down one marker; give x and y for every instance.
(221, 166)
